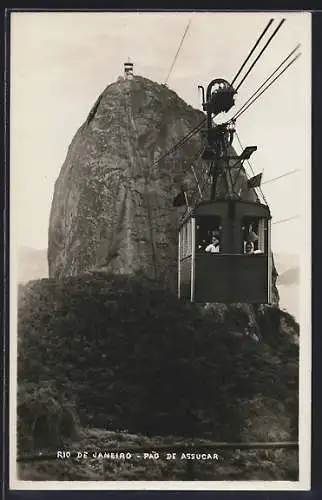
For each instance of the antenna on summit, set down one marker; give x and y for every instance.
(128, 70)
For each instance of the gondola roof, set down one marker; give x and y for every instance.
(247, 208)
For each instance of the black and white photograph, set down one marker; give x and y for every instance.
(160, 259)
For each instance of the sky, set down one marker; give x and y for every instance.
(61, 62)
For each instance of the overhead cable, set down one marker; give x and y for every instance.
(281, 176)
(268, 78)
(286, 220)
(181, 142)
(177, 53)
(252, 51)
(241, 111)
(261, 52)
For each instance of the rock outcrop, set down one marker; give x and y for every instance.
(112, 205)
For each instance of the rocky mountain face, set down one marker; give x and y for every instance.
(288, 282)
(113, 206)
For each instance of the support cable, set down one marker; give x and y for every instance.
(252, 51)
(268, 78)
(195, 190)
(177, 53)
(181, 142)
(241, 111)
(281, 176)
(261, 52)
(286, 220)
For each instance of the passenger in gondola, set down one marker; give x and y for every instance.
(213, 247)
(249, 248)
(252, 236)
(202, 245)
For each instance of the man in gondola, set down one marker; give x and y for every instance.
(202, 245)
(213, 247)
(249, 248)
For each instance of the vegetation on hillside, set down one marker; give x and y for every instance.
(121, 353)
(232, 465)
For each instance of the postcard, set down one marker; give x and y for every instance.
(160, 327)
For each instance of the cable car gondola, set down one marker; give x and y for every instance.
(224, 247)
(224, 244)
(241, 270)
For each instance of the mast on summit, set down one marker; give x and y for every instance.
(128, 70)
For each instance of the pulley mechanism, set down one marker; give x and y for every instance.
(219, 137)
(219, 97)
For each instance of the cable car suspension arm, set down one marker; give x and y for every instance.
(196, 129)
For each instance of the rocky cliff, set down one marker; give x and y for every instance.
(112, 206)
